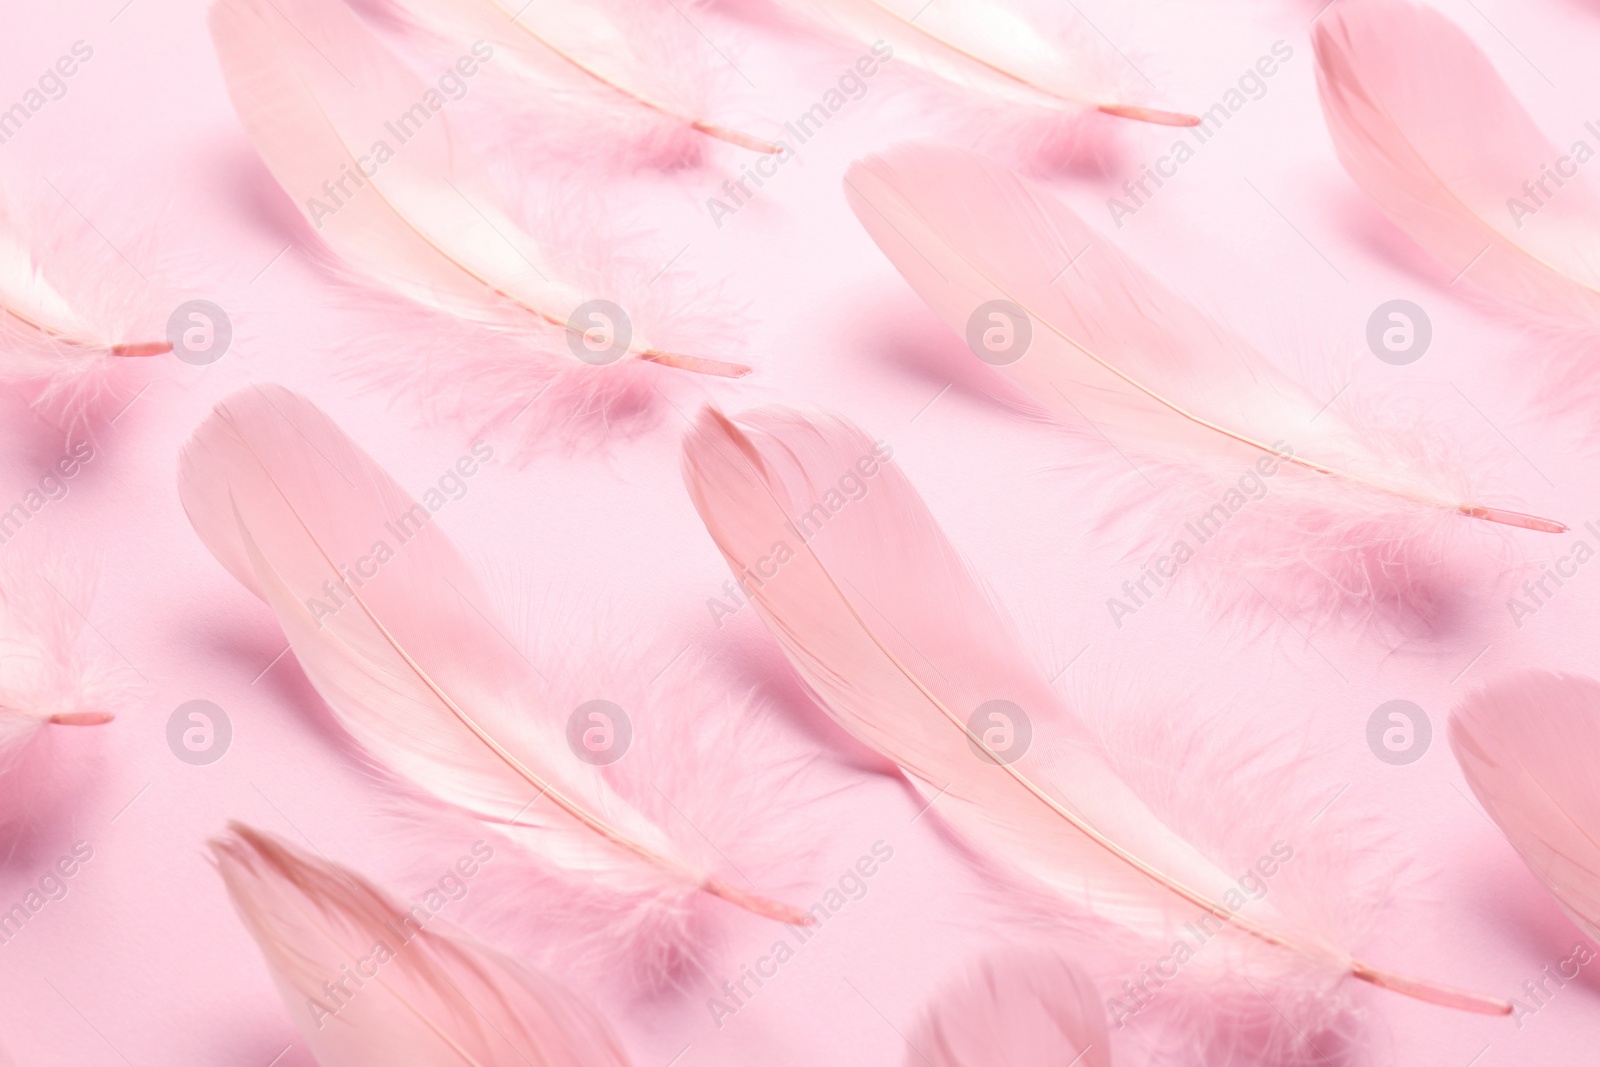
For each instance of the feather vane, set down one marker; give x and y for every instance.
(904, 648)
(1109, 344)
(424, 995)
(349, 133)
(406, 658)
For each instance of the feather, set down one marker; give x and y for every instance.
(349, 133)
(47, 677)
(406, 657)
(1425, 125)
(1018, 1007)
(1111, 346)
(367, 983)
(1526, 744)
(996, 57)
(61, 321)
(598, 61)
(904, 649)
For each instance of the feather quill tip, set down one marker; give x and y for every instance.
(1433, 993)
(737, 137)
(759, 905)
(716, 368)
(82, 718)
(150, 348)
(1514, 518)
(1154, 116)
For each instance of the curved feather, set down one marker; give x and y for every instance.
(576, 47)
(903, 647)
(367, 984)
(1527, 745)
(1109, 343)
(1425, 125)
(404, 655)
(362, 146)
(1017, 1007)
(980, 46)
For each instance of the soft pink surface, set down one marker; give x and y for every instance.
(144, 962)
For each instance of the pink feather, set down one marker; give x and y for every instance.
(68, 316)
(411, 663)
(1017, 1007)
(1113, 348)
(618, 79)
(420, 217)
(1527, 745)
(48, 678)
(423, 995)
(903, 648)
(1023, 79)
(1425, 125)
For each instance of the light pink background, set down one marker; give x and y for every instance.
(144, 963)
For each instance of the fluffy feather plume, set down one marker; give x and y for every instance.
(1018, 1007)
(1527, 745)
(904, 648)
(1000, 61)
(47, 677)
(64, 318)
(392, 627)
(602, 68)
(1423, 123)
(1088, 336)
(363, 147)
(428, 996)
